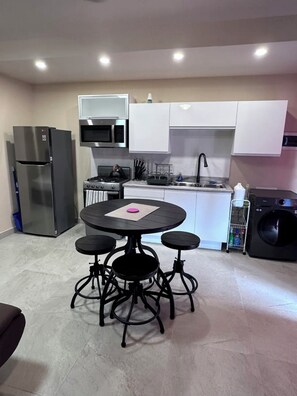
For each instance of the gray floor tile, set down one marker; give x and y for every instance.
(241, 339)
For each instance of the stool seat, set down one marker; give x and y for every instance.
(95, 244)
(136, 267)
(180, 240)
(133, 269)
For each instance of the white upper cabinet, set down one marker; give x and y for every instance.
(260, 127)
(149, 128)
(103, 106)
(203, 115)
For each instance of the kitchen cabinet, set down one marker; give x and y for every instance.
(104, 106)
(203, 115)
(207, 212)
(187, 201)
(260, 127)
(212, 218)
(149, 128)
(144, 193)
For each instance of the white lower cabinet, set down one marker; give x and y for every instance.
(212, 217)
(187, 201)
(207, 212)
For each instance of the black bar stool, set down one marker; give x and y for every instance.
(181, 240)
(93, 245)
(134, 269)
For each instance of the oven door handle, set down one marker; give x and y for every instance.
(112, 192)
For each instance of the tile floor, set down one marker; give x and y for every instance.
(241, 340)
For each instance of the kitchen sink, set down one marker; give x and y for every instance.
(185, 184)
(202, 185)
(213, 185)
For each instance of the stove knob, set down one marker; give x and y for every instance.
(112, 187)
(102, 187)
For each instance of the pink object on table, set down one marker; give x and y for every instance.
(133, 210)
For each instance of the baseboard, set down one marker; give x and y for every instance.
(7, 232)
(210, 245)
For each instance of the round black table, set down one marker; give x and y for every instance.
(166, 217)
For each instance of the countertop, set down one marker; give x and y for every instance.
(143, 183)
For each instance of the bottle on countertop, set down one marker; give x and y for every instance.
(149, 98)
(179, 177)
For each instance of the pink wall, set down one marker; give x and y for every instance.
(274, 172)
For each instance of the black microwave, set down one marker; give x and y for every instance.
(103, 133)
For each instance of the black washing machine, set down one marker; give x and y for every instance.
(272, 229)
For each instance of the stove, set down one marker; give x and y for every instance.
(106, 181)
(107, 185)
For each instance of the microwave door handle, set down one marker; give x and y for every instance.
(112, 133)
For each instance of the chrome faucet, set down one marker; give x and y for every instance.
(199, 162)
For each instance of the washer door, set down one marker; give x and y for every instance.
(278, 228)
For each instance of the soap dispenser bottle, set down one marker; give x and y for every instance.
(179, 177)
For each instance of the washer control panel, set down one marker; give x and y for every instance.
(287, 203)
(262, 198)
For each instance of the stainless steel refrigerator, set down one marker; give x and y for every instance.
(44, 166)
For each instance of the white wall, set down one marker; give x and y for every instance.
(186, 145)
(16, 100)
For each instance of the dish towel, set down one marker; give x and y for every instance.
(94, 196)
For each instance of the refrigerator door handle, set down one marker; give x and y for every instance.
(33, 163)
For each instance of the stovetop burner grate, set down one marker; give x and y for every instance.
(108, 179)
(106, 182)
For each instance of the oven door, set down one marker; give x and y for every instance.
(112, 195)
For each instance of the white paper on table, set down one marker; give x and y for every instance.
(122, 213)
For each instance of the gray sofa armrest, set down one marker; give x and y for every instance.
(12, 324)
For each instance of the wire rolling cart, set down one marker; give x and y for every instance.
(238, 224)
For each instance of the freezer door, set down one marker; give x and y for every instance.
(32, 144)
(36, 198)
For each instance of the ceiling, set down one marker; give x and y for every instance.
(218, 38)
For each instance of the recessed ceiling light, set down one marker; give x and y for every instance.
(40, 64)
(104, 60)
(262, 51)
(178, 56)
